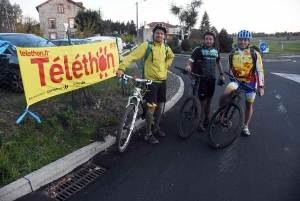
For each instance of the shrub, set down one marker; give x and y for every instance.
(186, 45)
(196, 43)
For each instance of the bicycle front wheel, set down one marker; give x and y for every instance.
(189, 117)
(226, 125)
(124, 131)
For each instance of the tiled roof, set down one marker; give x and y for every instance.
(166, 24)
(79, 4)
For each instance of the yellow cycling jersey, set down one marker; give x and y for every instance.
(156, 64)
(242, 66)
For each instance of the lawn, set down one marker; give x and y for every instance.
(291, 46)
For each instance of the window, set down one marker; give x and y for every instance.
(52, 23)
(53, 35)
(71, 23)
(61, 8)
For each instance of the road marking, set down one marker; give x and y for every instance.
(293, 77)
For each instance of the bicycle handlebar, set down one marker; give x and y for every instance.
(134, 78)
(194, 74)
(243, 83)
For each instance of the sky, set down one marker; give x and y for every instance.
(267, 16)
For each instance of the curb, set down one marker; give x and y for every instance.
(68, 163)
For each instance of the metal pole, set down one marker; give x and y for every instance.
(137, 23)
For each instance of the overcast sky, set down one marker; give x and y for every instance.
(267, 16)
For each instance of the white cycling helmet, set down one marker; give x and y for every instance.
(161, 27)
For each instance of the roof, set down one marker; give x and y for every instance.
(166, 24)
(79, 4)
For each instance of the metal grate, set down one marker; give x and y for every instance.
(81, 178)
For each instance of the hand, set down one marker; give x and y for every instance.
(261, 91)
(222, 78)
(119, 73)
(188, 68)
(221, 81)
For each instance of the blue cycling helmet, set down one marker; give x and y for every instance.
(244, 34)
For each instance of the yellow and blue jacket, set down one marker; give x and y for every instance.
(156, 64)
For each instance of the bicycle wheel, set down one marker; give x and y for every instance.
(124, 132)
(226, 125)
(189, 117)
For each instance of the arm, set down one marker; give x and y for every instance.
(189, 63)
(137, 54)
(170, 57)
(260, 72)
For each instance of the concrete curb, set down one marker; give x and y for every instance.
(63, 166)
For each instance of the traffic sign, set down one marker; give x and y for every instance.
(263, 46)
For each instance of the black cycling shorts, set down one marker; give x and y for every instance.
(156, 93)
(206, 89)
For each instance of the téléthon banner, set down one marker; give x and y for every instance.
(50, 71)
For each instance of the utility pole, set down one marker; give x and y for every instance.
(137, 22)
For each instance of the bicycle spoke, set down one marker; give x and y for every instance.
(226, 126)
(189, 116)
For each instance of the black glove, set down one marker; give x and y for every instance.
(220, 82)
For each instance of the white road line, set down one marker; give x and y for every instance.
(293, 77)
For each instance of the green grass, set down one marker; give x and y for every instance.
(29, 145)
(291, 46)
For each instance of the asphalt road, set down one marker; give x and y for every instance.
(264, 166)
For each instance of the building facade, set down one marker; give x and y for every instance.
(58, 15)
(172, 30)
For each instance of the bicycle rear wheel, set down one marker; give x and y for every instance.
(124, 132)
(226, 125)
(189, 117)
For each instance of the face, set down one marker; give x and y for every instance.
(208, 41)
(243, 43)
(159, 36)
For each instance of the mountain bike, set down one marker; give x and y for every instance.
(136, 108)
(227, 121)
(189, 115)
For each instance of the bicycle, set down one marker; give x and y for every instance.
(226, 124)
(136, 108)
(189, 115)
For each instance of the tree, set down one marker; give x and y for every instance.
(87, 23)
(205, 23)
(29, 25)
(9, 16)
(225, 41)
(132, 28)
(188, 16)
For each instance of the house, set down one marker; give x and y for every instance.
(172, 30)
(56, 15)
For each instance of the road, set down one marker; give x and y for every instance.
(264, 166)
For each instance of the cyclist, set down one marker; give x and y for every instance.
(242, 66)
(204, 61)
(155, 69)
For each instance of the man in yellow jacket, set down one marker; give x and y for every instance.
(156, 65)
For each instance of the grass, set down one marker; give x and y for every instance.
(29, 146)
(291, 46)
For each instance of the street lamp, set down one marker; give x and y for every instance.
(67, 32)
(137, 22)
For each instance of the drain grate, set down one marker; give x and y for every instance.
(81, 178)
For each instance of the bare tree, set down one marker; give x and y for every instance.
(187, 16)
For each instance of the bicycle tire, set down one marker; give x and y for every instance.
(189, 117)
(224, 130)
(124, 133)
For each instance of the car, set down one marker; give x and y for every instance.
(73, 41)
(95, 39)
(10, 76)
(130, 45)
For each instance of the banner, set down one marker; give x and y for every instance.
(50, 71)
